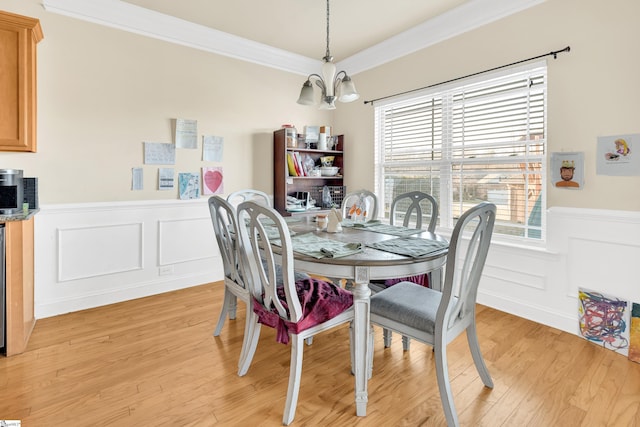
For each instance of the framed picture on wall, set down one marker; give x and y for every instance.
(567, 170)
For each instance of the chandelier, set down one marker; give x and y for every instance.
(331, 83)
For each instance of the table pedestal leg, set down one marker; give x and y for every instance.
(361, 325)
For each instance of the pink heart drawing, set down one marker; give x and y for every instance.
(213, 180)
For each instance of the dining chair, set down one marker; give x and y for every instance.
(360, 205)
(412, 207)
(240, 196)
(436, 318)
(297, 309)
(223, 216)
(409, 209)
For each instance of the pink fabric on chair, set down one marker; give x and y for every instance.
(320, 302)
(420, 279)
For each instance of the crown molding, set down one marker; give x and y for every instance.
(469, 16)
(135, 19)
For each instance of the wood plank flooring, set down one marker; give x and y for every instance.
(154, 362)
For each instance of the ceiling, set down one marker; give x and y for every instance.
(291, 34)
(299, 26)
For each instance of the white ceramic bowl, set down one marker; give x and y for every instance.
(329, 170)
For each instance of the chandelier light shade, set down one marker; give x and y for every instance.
(333, 85)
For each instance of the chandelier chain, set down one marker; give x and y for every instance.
(328, 55)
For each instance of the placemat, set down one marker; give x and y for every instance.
(318, 247)
(378, 227)
(410, 246)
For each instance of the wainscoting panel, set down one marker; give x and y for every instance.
(609, 274)
(88, 255)
(188, 231)
(79, 260)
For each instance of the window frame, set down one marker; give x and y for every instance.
(446, 91)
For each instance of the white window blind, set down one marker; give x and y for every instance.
(473, 141)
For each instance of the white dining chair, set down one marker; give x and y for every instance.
(223, 216)
(291, 308)
(409, 210)
(240, 196)
(360, 205)
(436, 318)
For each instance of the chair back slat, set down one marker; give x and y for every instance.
(457, 308)
(412, 207)
(240, 196)
(261, 227)
(223, 217)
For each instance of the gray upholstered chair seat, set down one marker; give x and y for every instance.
(410, 304)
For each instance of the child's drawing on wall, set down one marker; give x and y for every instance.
(616, 155)
(567, 170)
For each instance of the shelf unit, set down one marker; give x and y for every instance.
(284, 184)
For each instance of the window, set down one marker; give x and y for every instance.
(480, 139)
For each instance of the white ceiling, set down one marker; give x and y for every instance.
(299, 26)
(291, 34)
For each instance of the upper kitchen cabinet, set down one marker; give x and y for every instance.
(19, 36)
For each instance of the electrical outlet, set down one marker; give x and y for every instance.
(165, 270)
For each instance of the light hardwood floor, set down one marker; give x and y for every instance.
(154, 362)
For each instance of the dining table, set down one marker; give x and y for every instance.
(362, 252)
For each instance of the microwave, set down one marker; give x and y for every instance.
(11, 191)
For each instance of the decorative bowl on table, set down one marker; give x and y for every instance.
(329, 170)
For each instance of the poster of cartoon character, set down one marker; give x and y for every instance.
(617, 155)
(567, 170)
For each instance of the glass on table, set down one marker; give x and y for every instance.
(321, 222)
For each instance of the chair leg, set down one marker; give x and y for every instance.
(472, 339)
(249, 343)
(226, 301)
(406, 343)
(233, 305)
(295, 371)
(249, 330)
(387, 335)
(444, 386)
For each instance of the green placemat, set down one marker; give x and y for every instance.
(318, 247)
(410, 246)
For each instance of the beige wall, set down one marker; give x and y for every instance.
(102, 92)
(592, 91)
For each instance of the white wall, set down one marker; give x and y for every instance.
(587, 248)
(92, 254)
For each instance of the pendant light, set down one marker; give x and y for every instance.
(333, 85)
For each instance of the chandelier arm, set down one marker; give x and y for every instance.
(338, 80)
(319, 81)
